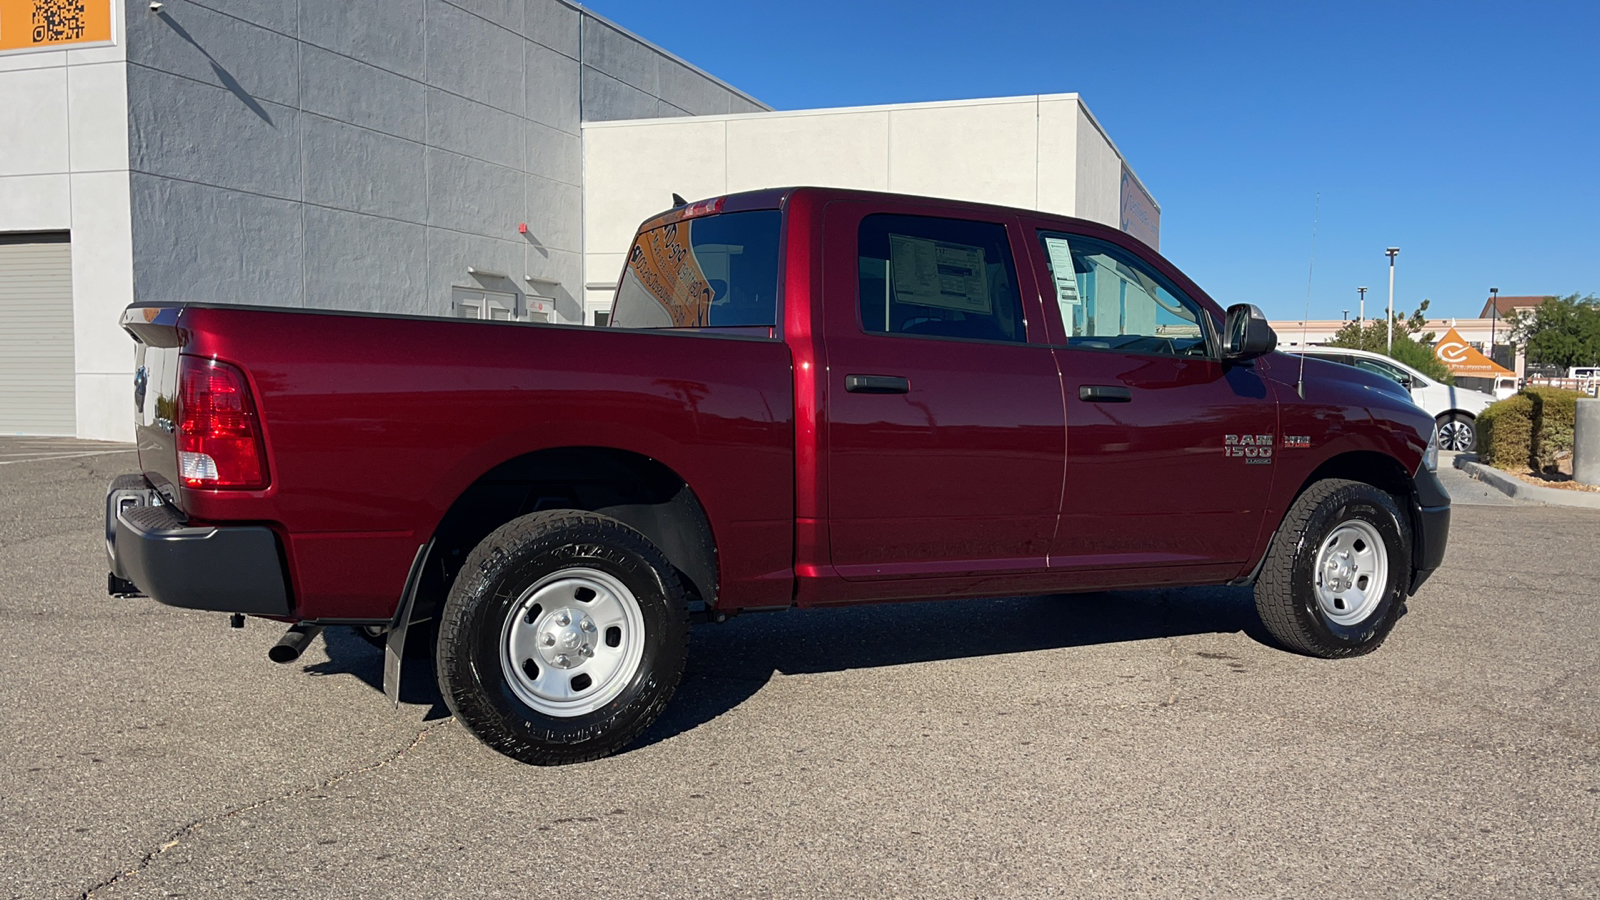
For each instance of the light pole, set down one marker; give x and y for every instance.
(1347, 315)
(1362, 315)
(1494, 317)
(1392, 252)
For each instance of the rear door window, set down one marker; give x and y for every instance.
(1384, 369)
(716, 271)
(931, 277)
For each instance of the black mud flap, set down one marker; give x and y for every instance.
(394, 648)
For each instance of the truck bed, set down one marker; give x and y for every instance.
(376, 424)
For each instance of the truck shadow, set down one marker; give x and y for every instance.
(729, 663)
(352, 655)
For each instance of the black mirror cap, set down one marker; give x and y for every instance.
(1247, 334)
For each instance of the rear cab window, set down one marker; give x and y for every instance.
(717, 272)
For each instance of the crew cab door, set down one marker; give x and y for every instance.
(1169, 450)
(945, 424)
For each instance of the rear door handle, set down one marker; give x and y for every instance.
(1104, 393)
(877, 384)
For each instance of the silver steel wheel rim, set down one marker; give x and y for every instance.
(1352, 572)
(572, 642)
(1455, 436)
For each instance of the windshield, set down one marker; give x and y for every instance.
(708, 272)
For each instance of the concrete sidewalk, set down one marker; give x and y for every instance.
(1518, 489)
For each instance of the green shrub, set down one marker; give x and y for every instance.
(1505, 432)
(1554, 412)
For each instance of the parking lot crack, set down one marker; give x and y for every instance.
(177, 837)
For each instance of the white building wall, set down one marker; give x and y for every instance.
(64, 167)
(1037, 152)
(1098, 189)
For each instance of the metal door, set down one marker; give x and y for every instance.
(36, 354)
(945, 429)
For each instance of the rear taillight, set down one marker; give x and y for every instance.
(219, 436)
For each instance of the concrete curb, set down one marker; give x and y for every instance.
(1518, 489)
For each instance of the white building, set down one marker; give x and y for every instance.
(1042, 152)
(434, 157)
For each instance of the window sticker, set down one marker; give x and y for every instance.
(940, 274)
(1066, 282)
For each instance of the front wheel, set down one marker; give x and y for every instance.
(563, 637)
(1335, 577)
(1457, 432)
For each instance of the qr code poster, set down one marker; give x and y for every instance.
(36, 24)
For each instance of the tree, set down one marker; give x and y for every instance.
(1562, 331)
(1411, 345)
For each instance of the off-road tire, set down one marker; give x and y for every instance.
(1286, 590)
(492, 583)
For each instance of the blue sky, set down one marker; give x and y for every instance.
(1467, 134)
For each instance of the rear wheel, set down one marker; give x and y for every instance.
(1457, 432)
(1335, 577)
(563, 637)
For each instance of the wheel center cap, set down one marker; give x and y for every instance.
(1340, 572)
(566, 638)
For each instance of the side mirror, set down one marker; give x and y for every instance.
(1247, 334)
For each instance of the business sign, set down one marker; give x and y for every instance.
(1139, 215)
(54, 24)
(1461, 359)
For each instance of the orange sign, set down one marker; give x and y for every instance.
(1459, 357)
(33, 24)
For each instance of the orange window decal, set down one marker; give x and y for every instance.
(32, 24)
(663, 260)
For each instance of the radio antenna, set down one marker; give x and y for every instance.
(1305, 324)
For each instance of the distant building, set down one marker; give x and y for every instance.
(1504, 307)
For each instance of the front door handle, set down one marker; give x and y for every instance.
(877, 384)
(1104, 393)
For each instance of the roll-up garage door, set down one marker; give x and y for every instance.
(36, 372)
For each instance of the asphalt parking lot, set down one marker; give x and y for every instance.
(1128, 744)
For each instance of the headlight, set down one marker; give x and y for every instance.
(1430, 456)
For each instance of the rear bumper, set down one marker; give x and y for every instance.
(223, 569)
(1430, 518)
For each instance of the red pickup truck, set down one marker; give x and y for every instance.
(805, 397)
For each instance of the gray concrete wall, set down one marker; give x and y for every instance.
(363, 154)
